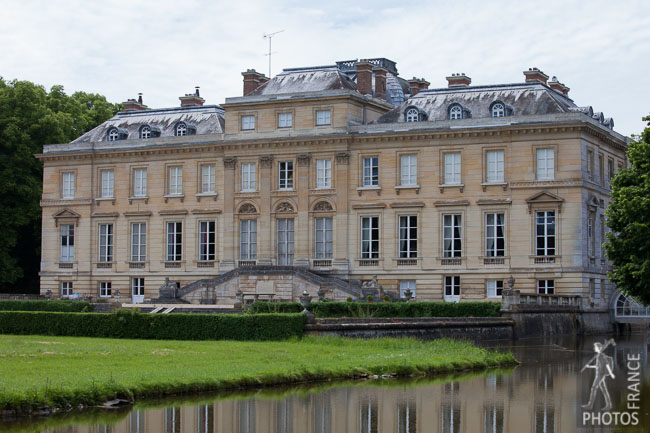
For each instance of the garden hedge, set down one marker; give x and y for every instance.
(54, 305)
(130, 324)
(384, 309)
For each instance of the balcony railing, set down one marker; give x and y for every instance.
(172, 265)
(104, 265)
(452, 261)
(321, 263)
(494, 260)
(540, 260)
(136, 265)
(368, 262)
(247, 263)
(65, 265)
(205, 264)
(407, 262)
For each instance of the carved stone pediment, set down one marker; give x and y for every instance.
(66, 215)
(247, 208)
(284, 207)
(545, 198)
(323, 206)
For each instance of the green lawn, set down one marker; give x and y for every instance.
(41, 371)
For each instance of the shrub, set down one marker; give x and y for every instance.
(54, 305)
(130, 324)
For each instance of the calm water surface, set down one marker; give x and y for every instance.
(542, 395)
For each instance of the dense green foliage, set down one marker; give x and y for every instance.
(130, 324)
(67, 370)
(384, 309)
(54, 305)
(628, 215)
(29, 118)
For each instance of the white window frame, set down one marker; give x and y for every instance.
(138, 242)
(492, 234)
(67, 242)
(455, 112)
(137, 286)
(370, 237)
(285, 120)
(494, 166)
(545, 287)
(405, 285)
(494, 288)
(285, 231)
(412, 115)
(105, 289)
(248, 122)
(208, 173)
(248, 177)
(498, 110)
(406, 225)
(67, 185)
(452, 245)
(248, 239)
(545, 163)
(66, 289)
(181, 130)
(452, 170)
(139, 182)
(145, 132)
(174, 241)
(545, 250)
(107, 183)
(451, 289)
(323, 117)
(105, 242)
(323, 237)
(113, 135)
(207, 240)
(175, 181)
(409, 170)
(370, 171)
(323, 173)
(285, 175)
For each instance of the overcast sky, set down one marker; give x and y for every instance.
(600, 49)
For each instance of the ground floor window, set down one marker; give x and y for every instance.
(137, 286)
(494, 288)
(66, 288)
(545, 287)
(452, 288)
(105, 289)
(405, 285)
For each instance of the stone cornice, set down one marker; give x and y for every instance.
(59, 202)
(546, 183)
(369, 206)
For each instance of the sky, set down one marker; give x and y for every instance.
(162, 48)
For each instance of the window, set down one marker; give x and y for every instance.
(602, 237)
(591, 220)
(371, 171)
(323, 117)
(590, 164)
(452, 235)
(145, 132)
(494, 288)
(140, 182)
(452, 168)
(285, 241)
(408, 236)
(138, 242)
(174, 241)
(248, 177)
(106, 242)
(207, 238)
(405, 285)
(175, 180)
(409, 170)
(545, 233)
(495, 243)
(105, 289)
(494, 166)
(610, 169)
(452, 288)
(498, 110)
(181, 130)
(545, 287)
(113, 135)
(370, 237)
(67, 242)
(412, 115)
(67, 190)
(137, 286)
(545, 164)
(248, 239)
(108, 179)
(207, 178)
(285, 120)
(323, 173)
(323, 238)
(601, 169)
(248, 122)
(285, 169)
(66, 288)
(455, 112)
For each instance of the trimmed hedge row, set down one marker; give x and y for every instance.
(55, 305)
(129, 324)
(384, 309)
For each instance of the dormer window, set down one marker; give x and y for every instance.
(455, 112)
(412, 115)
(181, 130)
(113, 134)
(145, 132)
(498, 110)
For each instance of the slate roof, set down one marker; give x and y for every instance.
(302, 80)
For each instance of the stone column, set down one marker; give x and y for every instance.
(265, 249)
(342, 254)
(228, 242)
(301, 226)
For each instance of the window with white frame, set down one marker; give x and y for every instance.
(113, 134)
(452, 234)
(495, 242)
(175, 180)
(174, 241)
(545, 164)
(405, 285)
(323, 236)
(105, 289)
(591, 220)
(455, 112)
(140, 182)
(181, 130)
(371, 171)
(248, 122)
(138, 242)
(145, 132)
(285, 120)
(67, 242)
(370, 237)
(67, 185)
(285, 175)
(66, 288)
(494, 172)
(323, 117)
(248, 239)
(545, 233)
(545, 287)
(248, 177)
(409, 170)
(494, 288)
(108, 181)
(137, 286)
(323, 173)
(207, 240)
(452, 168)
(408, 236)
(285, 241)
(105, 243)
(498, 110)
(452, 288)
(412, 115)
(207, 178)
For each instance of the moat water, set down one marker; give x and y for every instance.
(543, 394)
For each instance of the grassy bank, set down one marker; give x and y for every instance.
(53, 372)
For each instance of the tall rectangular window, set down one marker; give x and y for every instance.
(370, 237)
(452, 168)
(590, 164)
(248, 239)
(545, 233)
(408, 236)
(495, 242)
(66, 288)
(323, 236)
(591, 220)
(140, 182)
(601, 169)
(67, 186)
(247, 122)
(67, 242)
(285, 238)
(207, 240)
(176, 180)
(452, 288)
(174, 241)
(323, 173)
(207, 178)
(108, 179)
(494, 288)
(409, 170)
(285, 120)
(546, 287)
(452, 235)
(285, 169)
(137, 286)
(138, 242)
(371, 171)
(610, 169)
(248, 177)
(105, 290)
(602, 237)
(105, 242)
(323, 117)
(545, 164)
(494, 166)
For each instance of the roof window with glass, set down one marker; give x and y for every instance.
(181, 130)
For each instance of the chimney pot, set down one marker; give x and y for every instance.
(134, 105)
(557, 86)
(459, 80)
(252, 80)
(534, 75)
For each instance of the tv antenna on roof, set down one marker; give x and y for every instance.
(269, 36)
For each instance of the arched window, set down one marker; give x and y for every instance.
(498, 110)
(145, 132)
(181, 130)
(455, 112)
(412, 115)
(113, 135)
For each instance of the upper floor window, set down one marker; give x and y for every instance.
(248, 239)
(494, 166)
(494, 235)
(108, 179)
(248, 122)
(67, 242)
(285, 120)
(105, 243)
(323, 173)
(145, 132)
(248, 179)
(545, 233)
(207, 178)
(207, 240)
(545, 164)
(590, 164)
(67, 187)
(285, 175)
(409, 170)
(174, 241)
(138, 242)
(371, 171)
(140, 182)
(370, 237)
(175, 180)
(452, 168)
(610, 169)
(113, 134)
(498, 109)
(323, 117)
(408, 236)
(412, 115)
(452, 235)
(323, 236)
(455, 112)
(181, 130)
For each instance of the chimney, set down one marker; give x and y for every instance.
(459, 80)
(380, 82)
(534, 75)
(252, 80)
(423, 84)
(364, 77)
(134, 105)
(414, 84)
(557, 86)
(192, 99)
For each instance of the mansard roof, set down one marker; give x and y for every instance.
(300, 80)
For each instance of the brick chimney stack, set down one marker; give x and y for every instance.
(192, 99)
(414, 84)
(380, 82)
(364, 77)
(534, 75)
(424, 84)
(560, 87)
(134, 105)
(459, 80)
(252, 80)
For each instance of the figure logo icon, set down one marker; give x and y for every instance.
(603, 366)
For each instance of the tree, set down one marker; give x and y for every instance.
(628, 215)
(29, 118)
